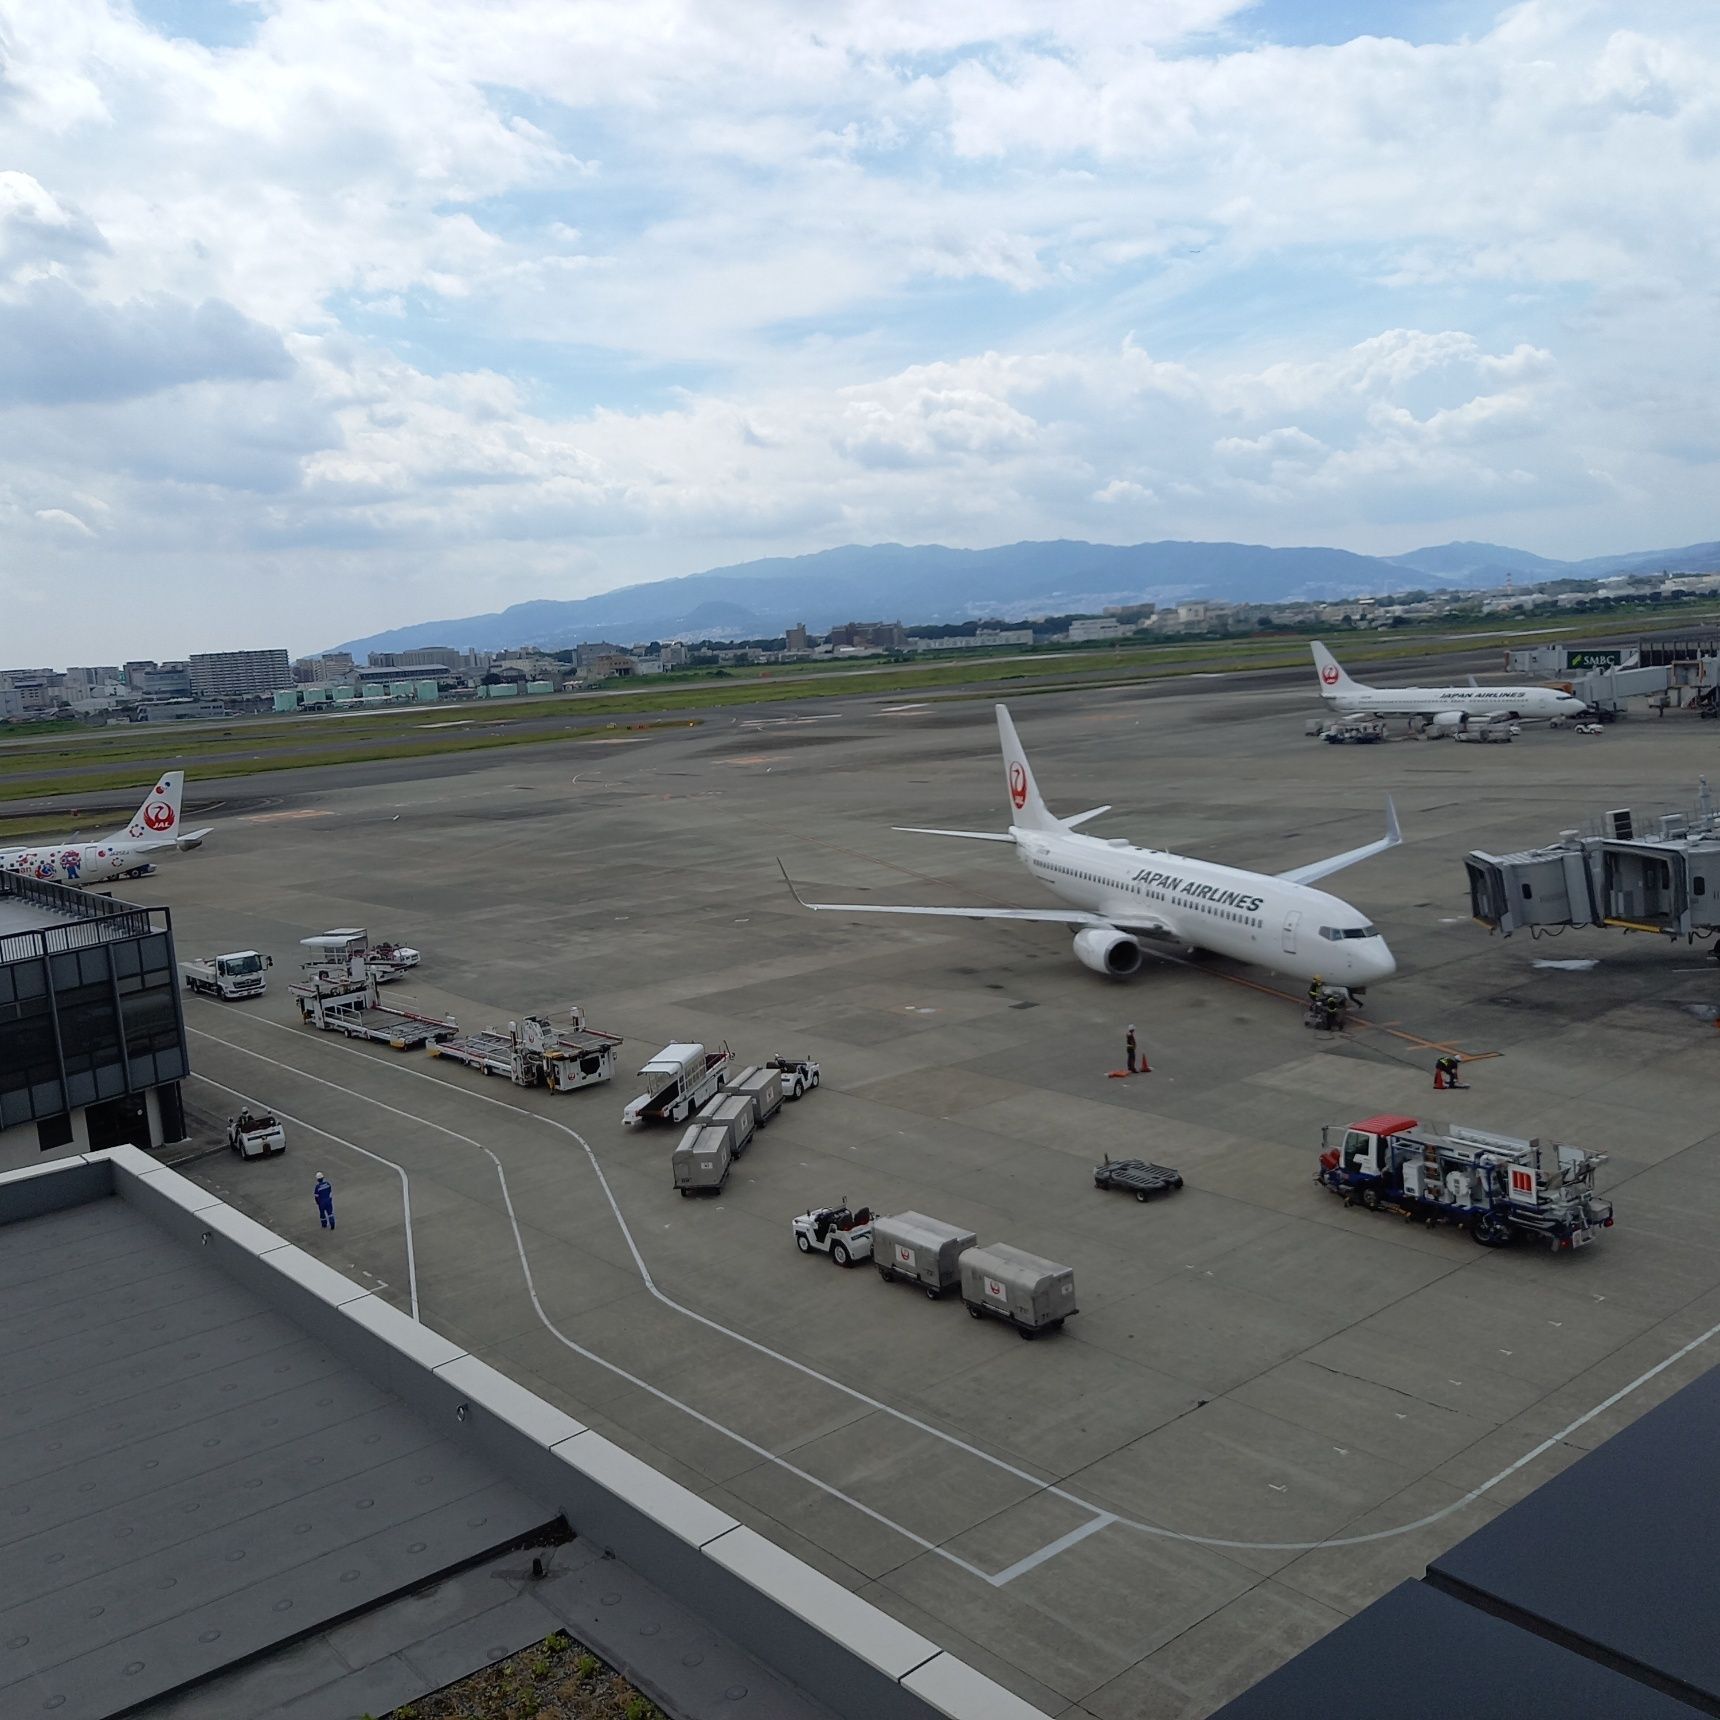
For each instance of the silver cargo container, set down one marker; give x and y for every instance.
(701, 1159)
(735, 1112)
(922, 1250)
(1032, 1294)
(764, 1087)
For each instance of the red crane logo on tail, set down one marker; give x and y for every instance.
(1018, 785)
(1330, 674)
(158, 815)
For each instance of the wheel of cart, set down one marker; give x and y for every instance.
(839, 1254)
(804, 1243)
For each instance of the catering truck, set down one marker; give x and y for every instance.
(1497, 1187)
(239, 973)
(678, 1080)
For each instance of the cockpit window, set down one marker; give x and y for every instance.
(1337, 934)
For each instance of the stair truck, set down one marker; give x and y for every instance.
(763, 1086)
(1007, 1283)
(919, 1250)
(701, 1159)
(239, 973)
(1497, 1187)
(535, 1052)
(678, 1080)
(350, 1006)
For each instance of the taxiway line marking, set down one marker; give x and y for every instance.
(1050, 1550)
(339, 1141)
(1158, 1531)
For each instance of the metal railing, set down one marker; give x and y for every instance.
(86, 919)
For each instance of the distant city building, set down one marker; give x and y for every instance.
(428, 657)
(330, 666)
(986, 639)
(11, 702)
(1095, 628)
(878, 635)
(239, 674)
(92, 682)
(593, 649)
(797, 638)
(160, 681)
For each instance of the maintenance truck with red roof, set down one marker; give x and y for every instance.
(1497, 1187)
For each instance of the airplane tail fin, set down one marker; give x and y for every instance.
(1026, 810)
(1333, 677)
(159, 814)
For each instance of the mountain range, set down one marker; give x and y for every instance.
(922, 584)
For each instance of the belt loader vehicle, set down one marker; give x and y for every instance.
(1497, 1187)
(1032, 1294)
(535, 1052)
(921, 1250)
(348, 950)
(239, 973)
(350, 1006)
(678, 1080)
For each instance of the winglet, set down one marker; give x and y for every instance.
(789, 882)
(1394, 833)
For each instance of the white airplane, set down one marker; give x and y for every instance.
(154, 829)
(1441, 707)
(1122, 894)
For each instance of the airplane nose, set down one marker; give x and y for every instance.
(1376, 962)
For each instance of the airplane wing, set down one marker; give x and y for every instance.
(1318, 869)
(1078, 917)
(969, 835)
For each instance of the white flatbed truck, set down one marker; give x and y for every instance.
(536, 1052)
(239, 973)
(350, 1006)
(678, 1080)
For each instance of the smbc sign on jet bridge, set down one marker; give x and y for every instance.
(1596, 659)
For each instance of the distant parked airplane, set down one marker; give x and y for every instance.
(1122, 894)
(154, 829)
(1441, 707)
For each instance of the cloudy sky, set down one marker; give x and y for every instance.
(322, 316)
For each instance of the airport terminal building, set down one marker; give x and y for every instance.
(92, 1040)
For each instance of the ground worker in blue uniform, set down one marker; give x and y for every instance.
(322, 1192)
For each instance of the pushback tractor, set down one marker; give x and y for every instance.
(1496, 1187)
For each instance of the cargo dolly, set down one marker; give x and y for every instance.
(351, 1007)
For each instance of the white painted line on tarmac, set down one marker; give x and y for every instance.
(1050, 1550)
(339, 1141)
(1098, 1511)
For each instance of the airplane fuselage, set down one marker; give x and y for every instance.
(1268, 921)
(1484, 702)
(77, 862)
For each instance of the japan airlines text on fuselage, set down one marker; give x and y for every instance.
(1121, 894)
(1352, 698)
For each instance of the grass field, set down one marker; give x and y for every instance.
(107, 764)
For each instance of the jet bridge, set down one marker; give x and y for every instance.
(1665, 880)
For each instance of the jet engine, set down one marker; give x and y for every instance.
(1108, 952)
(1446, 720)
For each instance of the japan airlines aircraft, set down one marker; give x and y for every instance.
(1443, 707)
(154, 829)
(1121, 894)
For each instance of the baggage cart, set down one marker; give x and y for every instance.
(736, 1113)
(764, 1087)
(1034, 1295)
(919, 1250)
(701, 1159)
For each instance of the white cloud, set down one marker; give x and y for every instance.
(405, 310)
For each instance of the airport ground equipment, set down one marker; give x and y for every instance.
(701, 1159)
(1490, 733)
(350, 1006)
(734, 1112)
(1033, 1294)
(1328, 1011)
(764, 1086)
(239, 973)
(1138, 1177)
(1638, 875)
(536, 1052)
(919, 1250)
(338, 951)
(1497, 1187)
(254, 1135)
(799, 1075)
(678, 1080)
(844, 1233)
(1353, 731)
